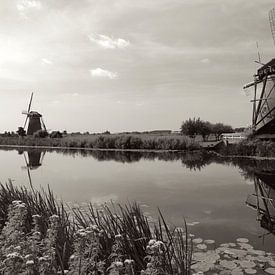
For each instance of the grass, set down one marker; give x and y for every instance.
(250, 147)
(39, 236)
(114, 141)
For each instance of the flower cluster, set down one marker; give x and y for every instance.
(155, 257)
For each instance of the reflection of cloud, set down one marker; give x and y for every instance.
(98, 72)
(107, 42)
(192, 223)
(103, 199)
(208, 212)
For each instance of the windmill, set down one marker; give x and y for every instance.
(263, 115)
(36, 122)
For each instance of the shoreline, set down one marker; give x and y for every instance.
(97, 149)
(160, 151)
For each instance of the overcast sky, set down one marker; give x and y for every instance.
(123, 65)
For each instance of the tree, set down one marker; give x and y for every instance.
(21, 132)
(204, 129)
(190, 127)
(219, 128)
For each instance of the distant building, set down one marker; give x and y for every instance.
(233, 137)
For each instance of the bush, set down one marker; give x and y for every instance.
(41, 134)
(55, 134)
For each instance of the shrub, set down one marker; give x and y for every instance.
(41, 134)
(55, 134)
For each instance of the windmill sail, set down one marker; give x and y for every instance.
(272, 23)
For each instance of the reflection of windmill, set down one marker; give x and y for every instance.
(33, 160)
(36, 122)
(263, 117)
(263, 201)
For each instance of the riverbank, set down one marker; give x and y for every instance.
(120, 142)
(249, 148)
(256, 149)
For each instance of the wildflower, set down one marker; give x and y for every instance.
(151, 242)
(36, 216)
(16, 202)
(54, 218)
(118, 237)
(17, 248)
(128, 261)
(118, 264)
(13, 255)
(30, 262)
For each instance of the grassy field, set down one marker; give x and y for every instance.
(113, 141)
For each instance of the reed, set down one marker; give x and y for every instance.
(39, 235)
(116, 141)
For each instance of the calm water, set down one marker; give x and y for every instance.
(203, 189)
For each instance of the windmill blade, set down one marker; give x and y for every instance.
(272, 23)
(25, 122)
(30, 103)
(43, 124)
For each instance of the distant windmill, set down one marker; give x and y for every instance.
(36, 122)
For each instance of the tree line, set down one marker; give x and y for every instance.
(195, 126)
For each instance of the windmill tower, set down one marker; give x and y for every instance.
(263, 115)
(36, 122)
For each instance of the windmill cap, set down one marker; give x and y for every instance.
(34, 114)
(267, 69)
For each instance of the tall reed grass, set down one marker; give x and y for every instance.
(39, 236)
(124, 142)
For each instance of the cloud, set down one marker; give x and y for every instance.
(46, 61)
(107, 42)
(98, 72)
(205, 60)
(28, 4)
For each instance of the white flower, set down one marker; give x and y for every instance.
(118, 264)
(152, 242)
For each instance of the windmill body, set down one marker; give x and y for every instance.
(263, 115)
(36, 122)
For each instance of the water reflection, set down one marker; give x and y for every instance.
(263, 200)
(33, 158)
(203, 187)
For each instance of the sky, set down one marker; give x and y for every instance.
(126, 65)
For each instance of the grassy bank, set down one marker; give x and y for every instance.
(38, 236)
(145, 142)
(249, 148)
